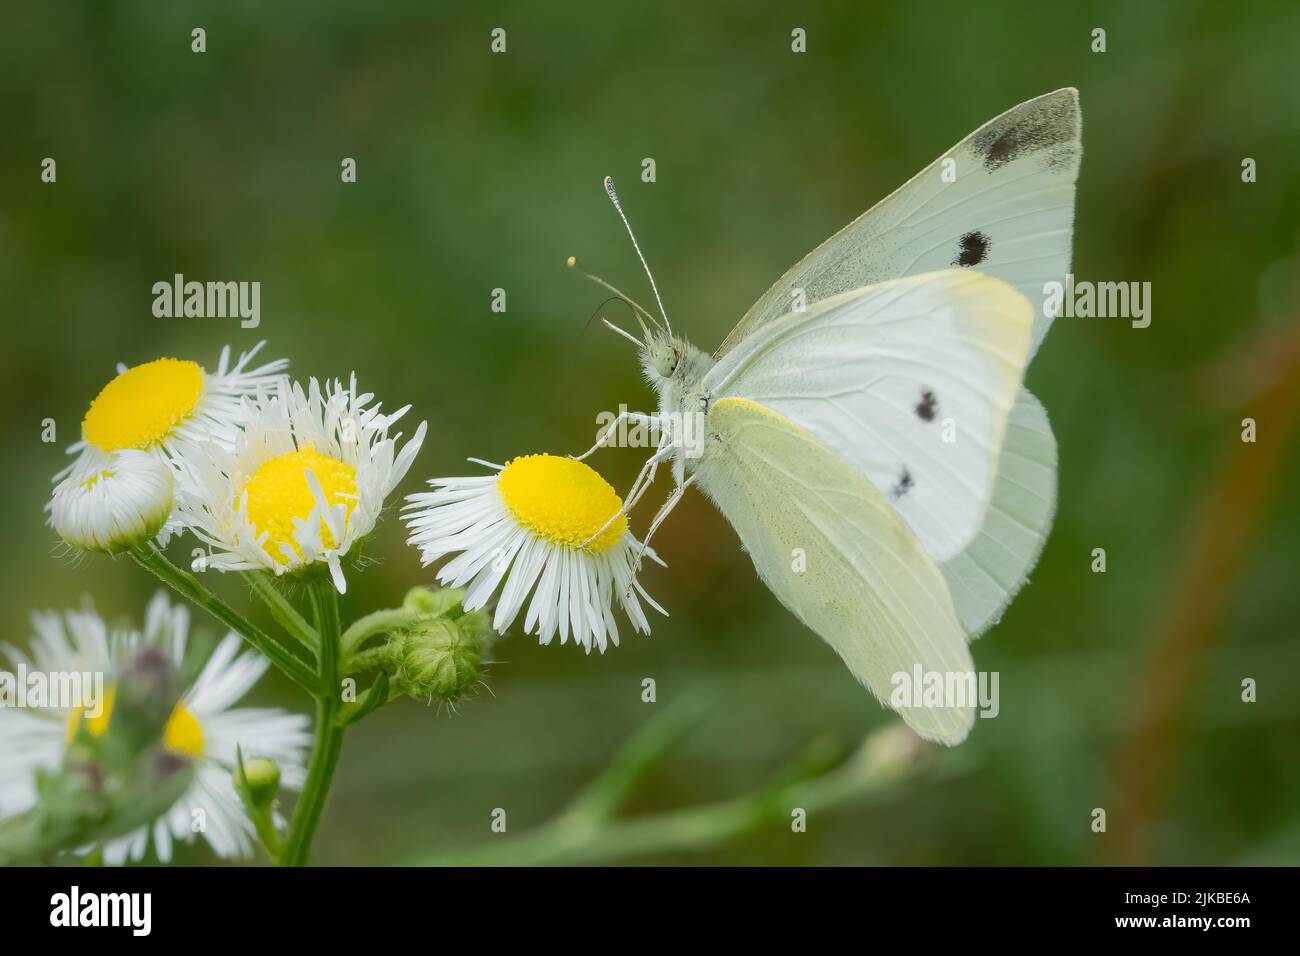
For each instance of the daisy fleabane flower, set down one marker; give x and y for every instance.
(113, 501)
(157, 409)
(305, 480)
(535, 527)
(204, 727)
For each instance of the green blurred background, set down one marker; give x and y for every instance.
(478, 171)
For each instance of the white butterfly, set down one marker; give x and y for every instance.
(864, 428)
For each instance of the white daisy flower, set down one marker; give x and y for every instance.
(305, 481)
(529, 528)
(112, 501)
(160, 406)
(203, 727)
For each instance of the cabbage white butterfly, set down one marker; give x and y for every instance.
(864, 428)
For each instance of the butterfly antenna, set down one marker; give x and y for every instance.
(572, 263)
(623, 332)
(613, 197)
(645, 332)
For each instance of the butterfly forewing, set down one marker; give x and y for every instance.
(1000, 201)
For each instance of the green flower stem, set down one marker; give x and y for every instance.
(374, 623)
(285, 614)
(187, 585)
(362, 661)
(329, 731)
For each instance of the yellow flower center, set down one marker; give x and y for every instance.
(562, 500)
(183, 733)
(278, 493)
(143, 405)
(97, 724)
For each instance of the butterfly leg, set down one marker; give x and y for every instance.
(643, 481)
(640, 418)
(647, 474)
(673, 500)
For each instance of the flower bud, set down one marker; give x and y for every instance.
(437, 659)
(442, 603)
(477, 624)
(262, 780)
(113, 502)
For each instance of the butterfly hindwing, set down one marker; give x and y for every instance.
(987, 574)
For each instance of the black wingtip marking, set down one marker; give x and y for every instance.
(927, 406)
(974, 249)
(1049, 123)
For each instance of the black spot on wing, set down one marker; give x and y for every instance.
(974, 249)
(905, 483)
(927, 406)
(1049, 123)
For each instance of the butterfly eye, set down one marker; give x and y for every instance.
(666, 360)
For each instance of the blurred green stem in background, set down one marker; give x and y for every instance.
(587, 832)
(329, 730)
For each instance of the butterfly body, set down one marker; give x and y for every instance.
(677, 370)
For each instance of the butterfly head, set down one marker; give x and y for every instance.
(662, 355)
